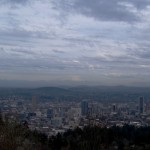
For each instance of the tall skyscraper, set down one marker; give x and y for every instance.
(84, 108)
(141, 105)
(50, 113)
(114, 108)
(34, 103)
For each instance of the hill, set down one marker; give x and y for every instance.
(97, 93)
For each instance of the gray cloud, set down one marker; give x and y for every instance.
(60, 41)
(14, 1)
(114, 10)
(139, 4)
(105, 10)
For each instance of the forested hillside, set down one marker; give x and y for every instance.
(96, 93)
(14, 136)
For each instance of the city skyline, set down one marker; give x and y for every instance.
(78, 42)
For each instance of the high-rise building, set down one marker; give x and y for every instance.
(50, 113)
(84, 108)
(114, 108)
(34, 103)
(141, 105)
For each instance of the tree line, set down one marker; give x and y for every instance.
(14, 136)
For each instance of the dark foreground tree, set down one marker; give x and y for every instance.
(14, 136)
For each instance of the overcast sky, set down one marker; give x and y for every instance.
(102, 42)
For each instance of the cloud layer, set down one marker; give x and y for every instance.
(78, 41)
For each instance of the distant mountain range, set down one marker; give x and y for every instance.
(98, 93)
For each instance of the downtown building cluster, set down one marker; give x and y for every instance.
(51, 117)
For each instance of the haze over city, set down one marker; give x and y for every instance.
(74, 42)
